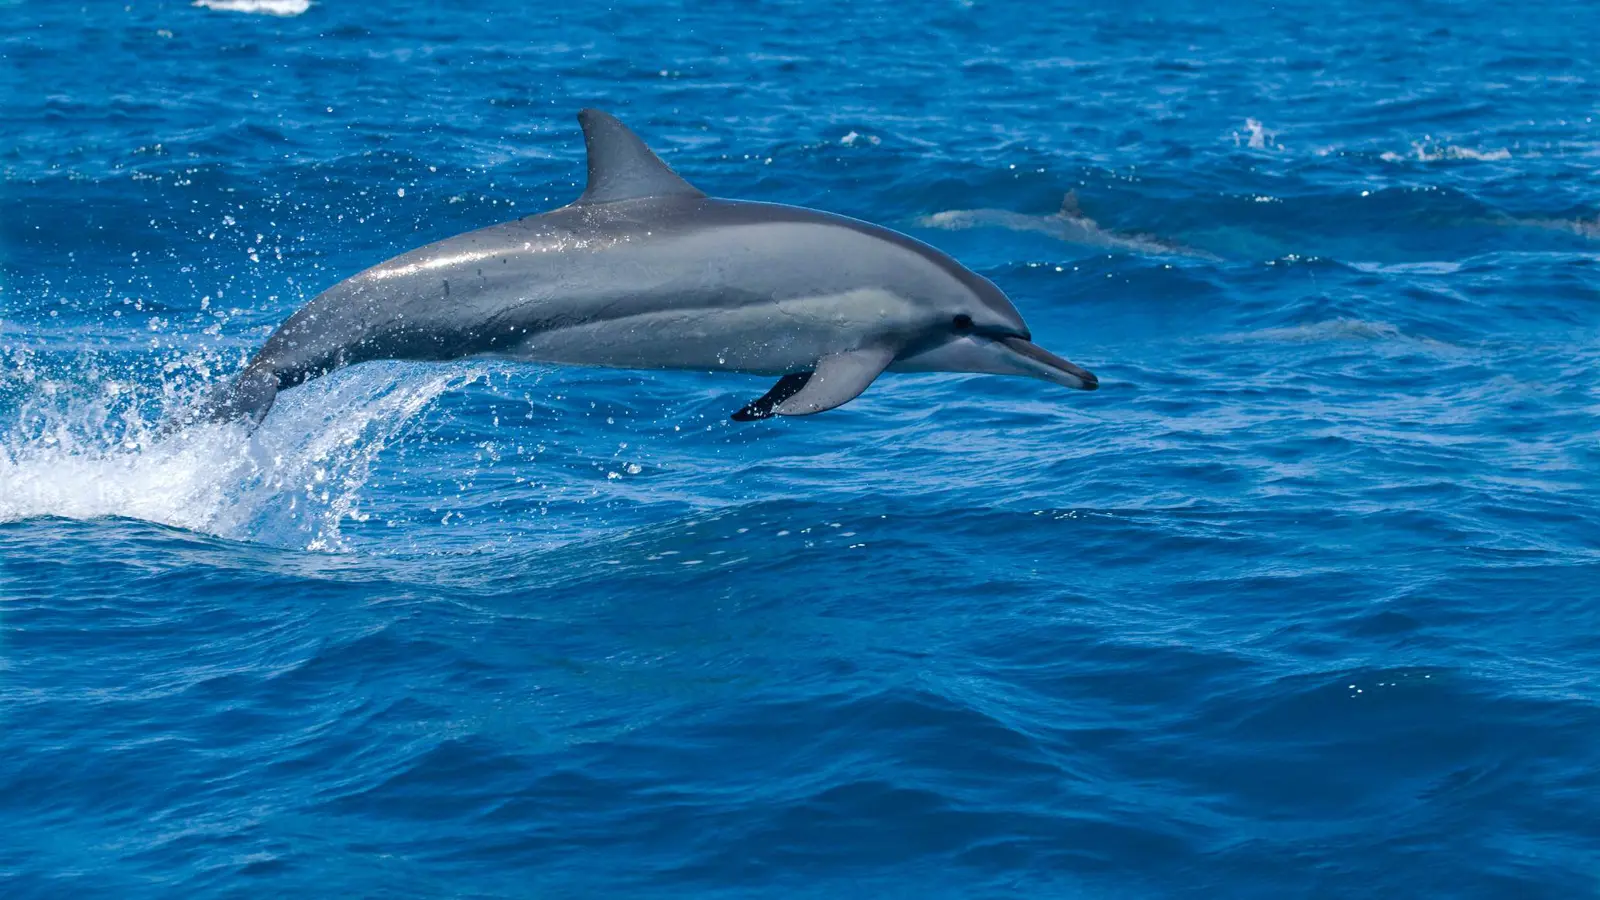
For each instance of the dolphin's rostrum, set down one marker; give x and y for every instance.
(644, 271)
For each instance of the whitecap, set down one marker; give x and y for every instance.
(258, 7)
(856, 137)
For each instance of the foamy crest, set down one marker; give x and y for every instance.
(258, 7)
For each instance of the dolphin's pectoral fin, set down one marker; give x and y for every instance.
(763, 407)
(838, 379)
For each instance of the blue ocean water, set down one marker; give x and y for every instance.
(1303, 602)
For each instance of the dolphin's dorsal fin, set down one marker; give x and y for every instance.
(621, 167)
(1069, 206)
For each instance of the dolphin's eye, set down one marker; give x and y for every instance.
(962, 322)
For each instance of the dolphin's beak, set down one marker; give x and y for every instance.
(1002, 354)
(1041, 363)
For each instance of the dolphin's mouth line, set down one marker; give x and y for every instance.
(1086, 381)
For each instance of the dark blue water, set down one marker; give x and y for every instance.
(1304, 602)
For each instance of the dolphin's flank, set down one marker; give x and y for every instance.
(644, 271)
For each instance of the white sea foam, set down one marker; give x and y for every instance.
(258, 7)
(292, 482)
(1426, 150)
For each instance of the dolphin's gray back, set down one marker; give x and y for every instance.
(595, 284)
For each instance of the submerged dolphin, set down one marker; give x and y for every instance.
(644, 271)
(1067, 224)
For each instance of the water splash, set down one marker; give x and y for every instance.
(1256, 136)
(84, 454)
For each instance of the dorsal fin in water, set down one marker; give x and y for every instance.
(621, 167)
(1069, 206)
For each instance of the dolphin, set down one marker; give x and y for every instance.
(644, 271)
(1067, 224)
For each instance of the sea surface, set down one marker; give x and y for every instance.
(1303, 602)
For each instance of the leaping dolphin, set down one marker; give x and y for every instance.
(644, 271)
